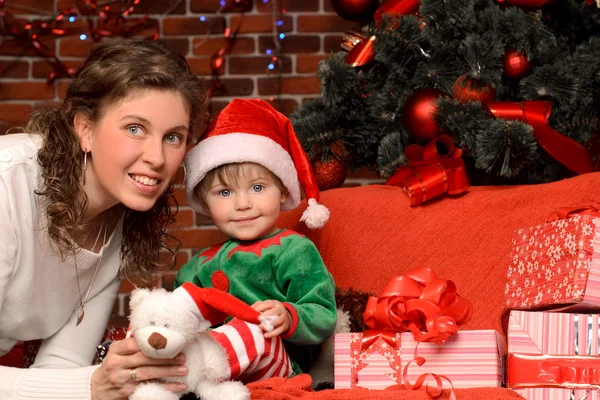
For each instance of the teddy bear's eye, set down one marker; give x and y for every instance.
(152, 323)
(166, 325)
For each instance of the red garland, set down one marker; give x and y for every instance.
(218, 58)
(32, 32)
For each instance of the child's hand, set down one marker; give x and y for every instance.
(273, 307)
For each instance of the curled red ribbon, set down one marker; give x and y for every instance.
(430, 173)
(589, 208)
(433, 392)
(568, 152)
(580, 372)
(421, 303)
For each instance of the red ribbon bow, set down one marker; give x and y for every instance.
(590, 208)
(370, 337)
(568, 152)
(430, 173)
(421, 303)
(553, 371)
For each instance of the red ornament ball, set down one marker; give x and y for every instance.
(515, 64)
(470, 89)
(355, 10)
(330, 174)
(418, 112)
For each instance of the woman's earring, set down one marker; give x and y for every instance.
(178, 189)
(85, 153)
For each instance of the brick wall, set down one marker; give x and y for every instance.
(312, 30)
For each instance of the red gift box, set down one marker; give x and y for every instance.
(554, 356)
(556, 265)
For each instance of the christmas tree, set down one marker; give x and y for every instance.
(515, 85)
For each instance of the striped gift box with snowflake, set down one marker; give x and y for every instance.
(556, 265)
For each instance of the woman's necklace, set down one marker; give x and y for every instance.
(81, 313)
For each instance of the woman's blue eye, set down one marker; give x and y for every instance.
(173, 138)
(225, 193)
(133, 129)
(257, 188)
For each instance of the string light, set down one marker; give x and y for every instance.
(113, 12)
(275, 65)
(277, 21)
(230, 35)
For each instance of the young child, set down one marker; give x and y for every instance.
(247, 167)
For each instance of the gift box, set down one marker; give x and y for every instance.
(553, 356)
(556, 265)
(376, 361)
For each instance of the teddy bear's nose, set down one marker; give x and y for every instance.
(157, 341)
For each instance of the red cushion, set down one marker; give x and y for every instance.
(374, 234)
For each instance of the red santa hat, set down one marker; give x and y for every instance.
(253, 131)
(216, 306)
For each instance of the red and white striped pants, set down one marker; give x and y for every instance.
(251, 356)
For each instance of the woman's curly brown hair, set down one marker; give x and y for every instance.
(112, 71)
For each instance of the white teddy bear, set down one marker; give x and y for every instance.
(168, 323)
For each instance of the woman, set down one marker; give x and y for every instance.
(84, 202)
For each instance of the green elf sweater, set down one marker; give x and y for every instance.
(285, 266)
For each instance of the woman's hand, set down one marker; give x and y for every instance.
(273, 307)
(125, 366)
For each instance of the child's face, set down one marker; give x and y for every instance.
(248, 208)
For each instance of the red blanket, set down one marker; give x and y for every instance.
(299, 387)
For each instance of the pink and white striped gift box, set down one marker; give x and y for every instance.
(534, 341)
(468, 359)
(556, 265)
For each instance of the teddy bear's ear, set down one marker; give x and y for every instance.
(137, 296)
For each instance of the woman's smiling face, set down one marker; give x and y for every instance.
(134, 149)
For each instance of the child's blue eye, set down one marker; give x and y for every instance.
(257, 188)
(225, 193)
